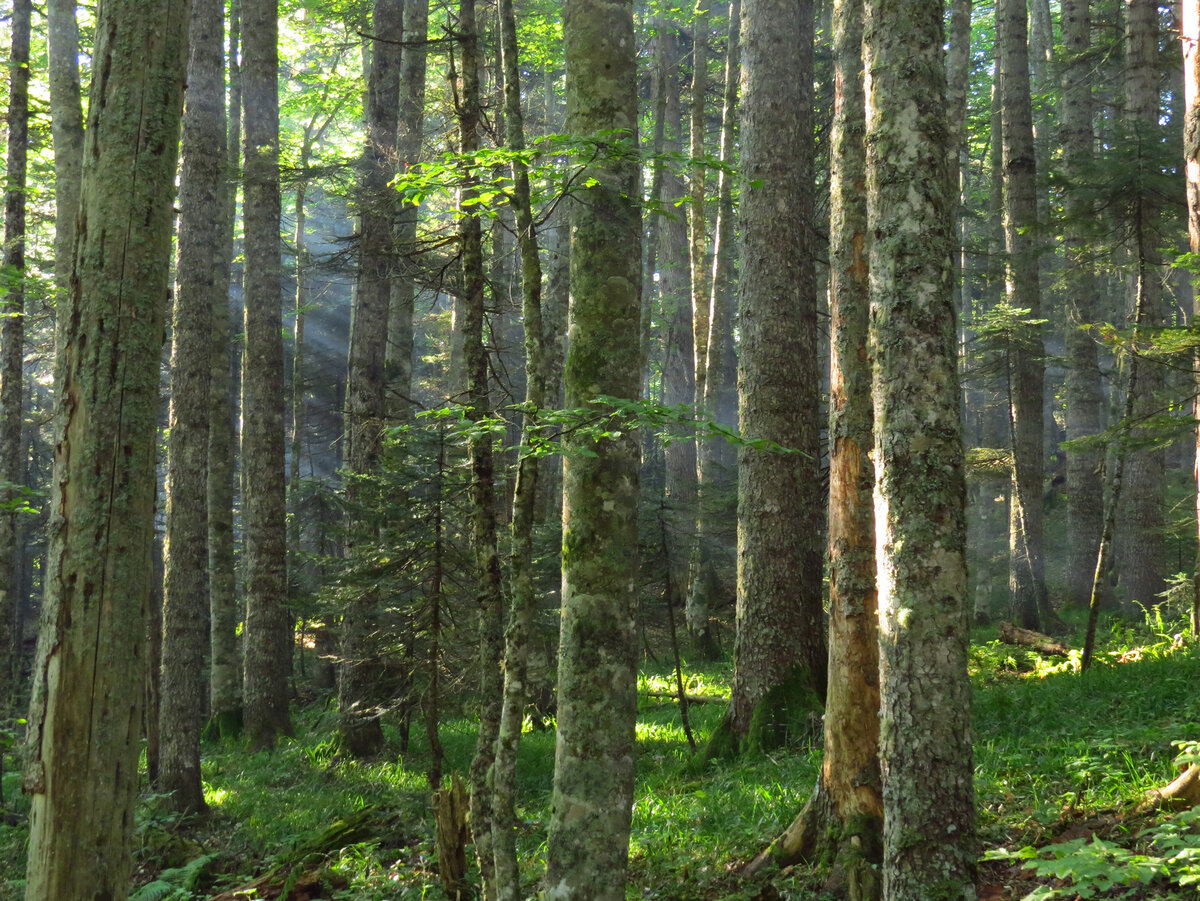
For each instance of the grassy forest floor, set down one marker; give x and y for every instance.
(1062, 764)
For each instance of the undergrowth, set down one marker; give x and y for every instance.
(1063, 761)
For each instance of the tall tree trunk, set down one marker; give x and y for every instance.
(66, 131)
(1026, 355)
(588, 842)
(366, 401)
(1191, 160)
(12, 346)
(1140, 542)
(268, 630)
(410, 128)
(225, 713)
(524, 594)
(920, 491)
(197, 291)
(488, 596)
(1085, 501)
(697, 213)
(718, 459)
(85, 716)
(843, 819)
(779, 657)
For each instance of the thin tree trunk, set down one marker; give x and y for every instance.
(12, 346)
(1191, 159)
(185, 647)
(86, 714)
(588, 841)
(920, 525)
(66, 130)
(268, 629)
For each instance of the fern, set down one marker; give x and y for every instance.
(175, 884)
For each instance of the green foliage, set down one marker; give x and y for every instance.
(175, 884)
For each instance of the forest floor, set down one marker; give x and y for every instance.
(1062, 764)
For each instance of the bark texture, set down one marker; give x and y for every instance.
(780, 645)
(197, 292)
(85, 713)
(1191, 162)
(66, 130)
(268, 630)
(929, 812)
(588, 842)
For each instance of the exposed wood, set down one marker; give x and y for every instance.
(450, 807)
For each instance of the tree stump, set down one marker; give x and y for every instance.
(450, 807)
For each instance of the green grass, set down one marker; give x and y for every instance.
(1053, 749)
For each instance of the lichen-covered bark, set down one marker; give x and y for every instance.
(1085, 501)
(1140, 529)
(843, 820)
(1191, 161)
(718, 458)
(409, 132)
(86, 709)
(588, 840)
(1025, 358)
(12, 340)
(359, 729)
(268, 630)
(929, 812)
(780, 621)
(225, 678)
(185, 624)
(519, 634)
(66, 130)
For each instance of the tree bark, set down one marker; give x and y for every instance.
(66, 130)
(929, 812)
(268, 630)
(85, 716)
(779, 656)
(1191, 161)
(588, 841)
(198, 291)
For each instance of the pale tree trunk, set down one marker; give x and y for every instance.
(524, 594)
(679, 359)
(1085, 500)
(85, 717)
(12, 348)
(588, 842)
(1191, 160)
(1141, 552)
(268, 630)
(488, 596)
(779, 656)
(718, 459)
(929, 839)
(843, 819)
(410, 128)
(66, 130)
(697, 213)
(1026, 355)
(225, 714)
(185, 626)
(360, 732)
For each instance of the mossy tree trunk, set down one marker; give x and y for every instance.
(843, 821)
(268, 631)
(360, 731)
(588, 841)
(1026, 356)
(66, 130)
(198, 286)
(86, 710)
(930, 847)
(1085, 500)
(779, 656)
(12, 346)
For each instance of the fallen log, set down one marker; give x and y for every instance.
(1010, 634)
(691, 699)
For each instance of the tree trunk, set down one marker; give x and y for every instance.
(1191, 160)
(66, 130)
(1085, 500)
(843, 820)
(360, 732)
(1026, 356)
(225, 713)
(588, 841)
(268, 630)
(12, 347)
(197, 292)
(920, 492)
(779, 657)
(85, 717)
